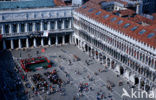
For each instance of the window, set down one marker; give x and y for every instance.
(126, 25)
(150, 35)
(134, 28)
(106, 16)
(142, 31)
(84, 6)
(98, 13)
(119, 22)
(113, 19)
(90, 10)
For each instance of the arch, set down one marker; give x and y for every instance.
(104, 59)
(100, 57)
(112, 64)
(142, 83)
(147, 86)
(136, 80)
(77, 42)
(121, 70)
(108, 62)
(97, 54)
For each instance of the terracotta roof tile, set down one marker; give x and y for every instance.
(127, 31)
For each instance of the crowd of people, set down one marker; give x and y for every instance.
(53, 77)
(40, 83)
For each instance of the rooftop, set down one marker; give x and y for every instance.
(129, 26)
(26, 4)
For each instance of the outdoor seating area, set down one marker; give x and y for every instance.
(53, 77)
(33, 64)
(40, 82)
(48, 82)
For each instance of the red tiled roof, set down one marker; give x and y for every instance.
(60, 3)
(127, 31)
(125, 12)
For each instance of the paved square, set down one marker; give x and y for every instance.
(77, 72)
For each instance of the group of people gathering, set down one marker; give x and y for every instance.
(41, 84)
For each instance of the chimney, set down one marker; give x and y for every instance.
(139, 8)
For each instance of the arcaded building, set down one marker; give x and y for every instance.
(107, 30)
(119, 38)
(34, 23)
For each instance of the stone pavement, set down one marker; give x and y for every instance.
(79, 72)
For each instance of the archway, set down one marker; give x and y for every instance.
(86, 48)
(104, 59)
(8, 44)
(147, 88)
(97, 54)
(108, 62)
(142, 83)
(112, 64)
(77, 41)
(136, 80)
(121, 70)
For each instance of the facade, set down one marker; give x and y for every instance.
(129, 51)
(99, 34)
(25, 28)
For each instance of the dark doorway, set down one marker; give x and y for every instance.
(77, 41)
(45, 41)
(86, 48)
(136, 80)
(38, 41)
(121, 71)
(67, 39)
(31, 40)
(53, 39)
(8, 44)
(59, 40)
(15, 43)
(23, 42)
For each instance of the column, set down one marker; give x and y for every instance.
(12, 44)
(41, 26)
(91, 52)
(3, 29)
(10, 28)
(70, 39)
(56, 42)
(49, 25)
(26, 27)
(145, 84)
(62, 24)
(34, 27)
(70, 23)
(56, 25)
(27, 43)
(139, 83)
(19, 43)
(98, 56)
(4, 45)
(18, 28)
(42, 42)
(49, 41)
(63, 39)
(34, 42)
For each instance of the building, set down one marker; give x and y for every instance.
(25, 27)
(147, 6)
(118, 40)
(107, 30)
